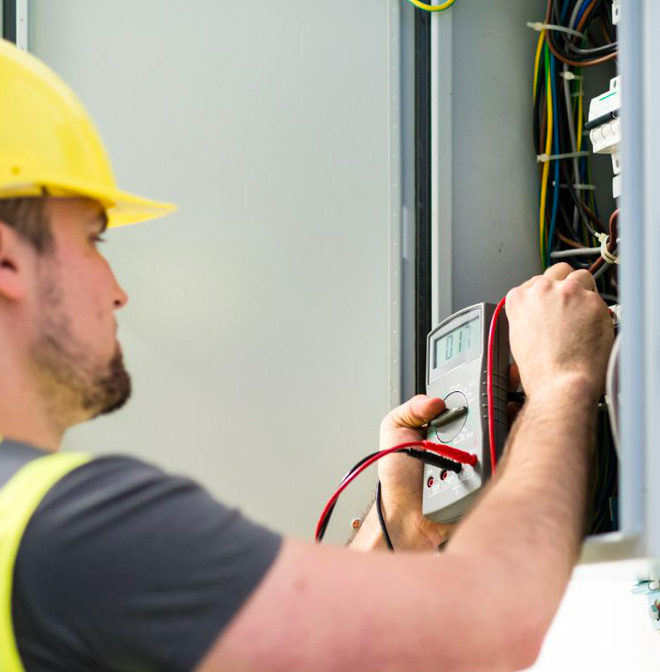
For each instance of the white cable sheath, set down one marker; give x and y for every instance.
(612, 397)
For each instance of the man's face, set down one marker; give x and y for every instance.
(75, 347)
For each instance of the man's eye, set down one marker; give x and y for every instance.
(98, 239)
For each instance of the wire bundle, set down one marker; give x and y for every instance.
(605, 485)
(577, 34)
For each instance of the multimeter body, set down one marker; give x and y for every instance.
(456, 371)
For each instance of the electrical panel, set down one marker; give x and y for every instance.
(503, 209)
(604, 128)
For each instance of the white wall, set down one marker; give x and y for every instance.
(257, 326)
(601, 627)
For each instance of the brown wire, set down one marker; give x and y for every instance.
(611, 243)
(568, 241)
(568, 61)
(594, 220)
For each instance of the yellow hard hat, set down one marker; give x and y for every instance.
(48, 141)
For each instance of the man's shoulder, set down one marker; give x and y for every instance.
(118, 540)
(111, 492)
(14, 455)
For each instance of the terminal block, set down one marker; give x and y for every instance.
(604, 127)
(651, 590)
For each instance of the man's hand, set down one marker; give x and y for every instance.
(401, 483)
(401, 477)
(558, 328)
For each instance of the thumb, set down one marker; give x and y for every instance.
(414, 413)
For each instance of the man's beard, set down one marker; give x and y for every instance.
(82, 386)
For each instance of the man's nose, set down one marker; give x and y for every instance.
(121, 297)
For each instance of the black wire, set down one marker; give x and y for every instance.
(580, 206)
(324, 526)
(434, 459)
(381, 518)
(360, 463)
(609, 26)
(565, 44)
(425, 456)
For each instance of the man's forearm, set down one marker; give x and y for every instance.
(527, 529)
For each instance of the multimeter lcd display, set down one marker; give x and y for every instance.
(457, 346)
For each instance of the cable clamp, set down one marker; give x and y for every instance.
(544, 158)
(569, 75)
(604, 252)
(540, 27)
(577, 187)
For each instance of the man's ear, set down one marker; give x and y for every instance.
(16, 258)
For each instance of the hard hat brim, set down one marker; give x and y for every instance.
(121, 207)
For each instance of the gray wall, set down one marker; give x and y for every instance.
(495, 211)
(258, 318)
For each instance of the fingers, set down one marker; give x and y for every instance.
(583, 278)
(564, 272)
(414, 413)
(559, 271)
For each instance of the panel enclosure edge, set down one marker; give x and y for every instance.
(395, 233)
(639, 535)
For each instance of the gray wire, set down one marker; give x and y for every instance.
(577, 252)
(601, 271)
(573, 20)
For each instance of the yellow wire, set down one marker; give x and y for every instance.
(546, 166)
(537, 60)
(579, 124)
(544, 187)
(433, 8)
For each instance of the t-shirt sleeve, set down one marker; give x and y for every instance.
(124, 567)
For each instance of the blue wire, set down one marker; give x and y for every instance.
(582, 10)
(555, 141)
(564, 11)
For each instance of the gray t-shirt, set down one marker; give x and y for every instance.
(124, 568)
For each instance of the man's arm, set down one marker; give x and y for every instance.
(487, 601)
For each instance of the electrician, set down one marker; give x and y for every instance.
(111, 564)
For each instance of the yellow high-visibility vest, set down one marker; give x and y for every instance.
(19, 499)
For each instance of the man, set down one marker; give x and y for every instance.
(117, 566)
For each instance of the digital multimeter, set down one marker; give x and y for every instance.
(456, 371)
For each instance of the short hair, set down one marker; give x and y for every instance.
(28, 216)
